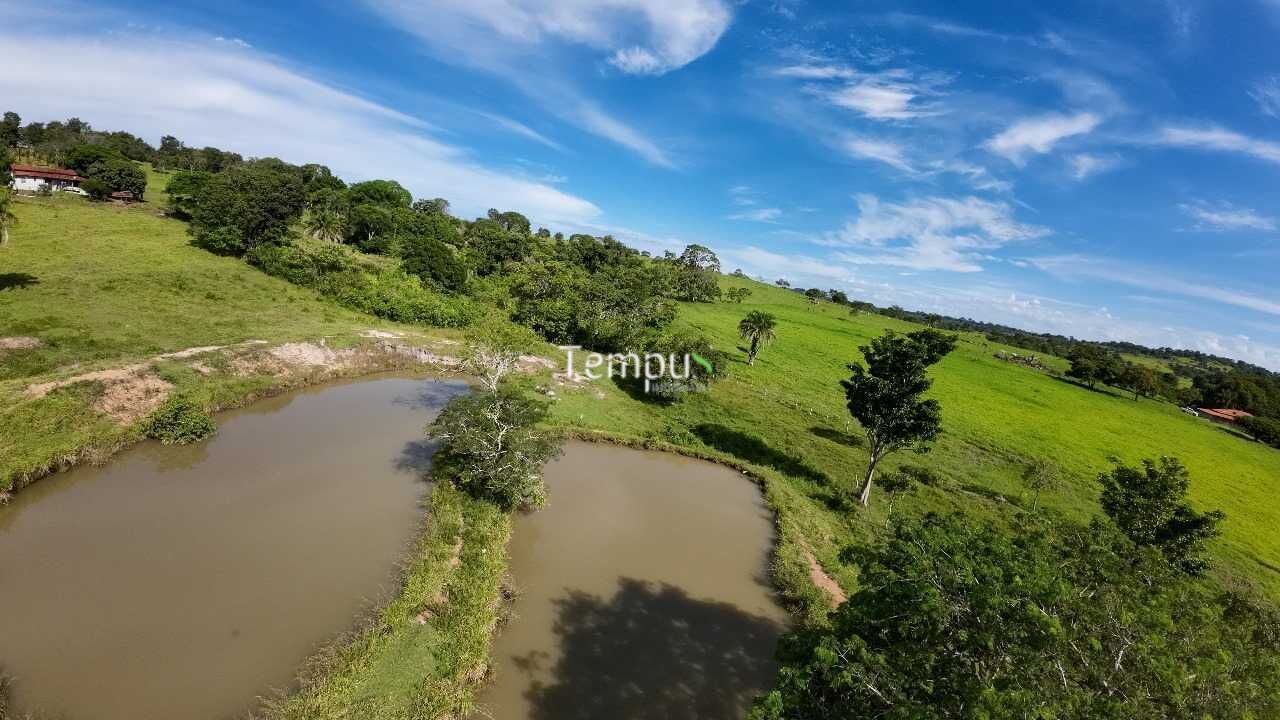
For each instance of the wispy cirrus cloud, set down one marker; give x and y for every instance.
(1151, 279)
(764, 215)
(1266, 93)
(1086, 165)
(889, 153)
(887, 95)
(935, 233)
(1219, 139)
(1225, 217)
(1038, 135)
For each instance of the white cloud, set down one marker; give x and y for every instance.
(524, 42)
(599, 122)
(1084, 165)
(743, 195)
(765, 215)
(1267, 94)
(890, 95)
(522, 130)
(883, 151)
(1225, 217)
(1080, 266)
(649, 37)
(1039, 134)
(759, 262)
(1215, 138)
(816, 72)
(933, 233)
(223, 95)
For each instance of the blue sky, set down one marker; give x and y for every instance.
(1097, 169)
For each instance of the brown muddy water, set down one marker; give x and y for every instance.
(185, 582)
(643, 593)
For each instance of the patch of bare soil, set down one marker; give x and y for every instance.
(129, 400)
(825, 581)
(106, 377)
(19, 342)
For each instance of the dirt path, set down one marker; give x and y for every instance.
(825, 581)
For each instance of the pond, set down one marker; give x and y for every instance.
(643, 592)
(185, 582)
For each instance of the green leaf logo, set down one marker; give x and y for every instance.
(703, 362)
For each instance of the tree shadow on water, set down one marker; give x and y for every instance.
(432, 395)
(651, 652)
(754, 450)
(11, 281)
(415, 457)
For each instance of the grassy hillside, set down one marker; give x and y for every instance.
(786, 416)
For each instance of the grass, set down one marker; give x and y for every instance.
(785, 418)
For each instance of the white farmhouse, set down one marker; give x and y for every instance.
(29, 178)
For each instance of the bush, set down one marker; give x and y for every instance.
(97, 189)
(179, 421)
(359, 284)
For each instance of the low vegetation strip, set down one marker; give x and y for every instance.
(425, 653)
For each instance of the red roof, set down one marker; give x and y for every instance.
(1225, 414)
(45, 173)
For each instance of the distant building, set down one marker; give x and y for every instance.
(29, 178)
(123, 196)
(1224, 415)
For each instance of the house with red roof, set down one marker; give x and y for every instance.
(1223, 414)
(30, 178)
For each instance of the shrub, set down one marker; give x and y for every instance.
(179, 421)
(97, 189)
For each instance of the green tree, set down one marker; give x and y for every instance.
(738, 294)
(10, 130)
(857, 307)
(387, 193)
(1142, 380)
(1263, 429)
(1092, 364)
(1149, 504)
(491, 446)
(6, 176)
(959, 619)
(183, 189)
(782, 283)
(838, 297)
(885, 396)
(82, 156)
(425, 253)
(247, 205)
(757, 329)
(325, 223)
(7, 218)
(120, 175)
(1040, 475)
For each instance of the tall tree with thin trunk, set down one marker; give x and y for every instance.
(757, 329)
(7, 217)
(885, 396)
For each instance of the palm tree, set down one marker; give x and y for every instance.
(7, 217)
(325, 224)
(757, 327)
